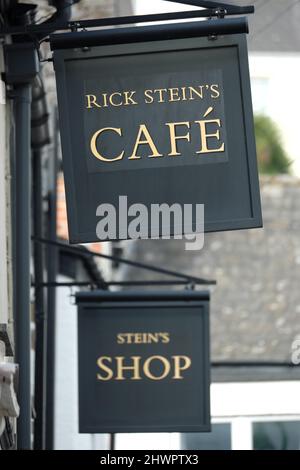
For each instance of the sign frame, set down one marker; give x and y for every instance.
(132, 300)
(238, 41)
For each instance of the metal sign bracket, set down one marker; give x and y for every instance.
(205, 9)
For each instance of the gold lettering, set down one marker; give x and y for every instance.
(183, 89)
(135, 369)
(193, 91)
(143, 131)
(128, 98)
(174, 137)
(148, 362)
(174, 94)
(92, 100)
(165, 337)
(160, 92)
(121, 338)
(95, 150)
(130, 338)
(139, 338)
(142, 338)
(178, 367)
(215, 91)
(105, 100)
(105, 368)
(144, 335)
(112, 97)
(149, 98)
(121, 367)
(152, 338)
(205, 136)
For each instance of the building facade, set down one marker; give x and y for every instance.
(255, 307)
(8, 403)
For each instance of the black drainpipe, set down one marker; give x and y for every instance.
(16, 54)
(22, 94)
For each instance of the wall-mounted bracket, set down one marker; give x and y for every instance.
(205, 9)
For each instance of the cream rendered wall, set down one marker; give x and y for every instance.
(67, 436)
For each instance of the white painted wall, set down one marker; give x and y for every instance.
(275, 90)
(255, 399)
(66, 382)
(148, 441)
(4, 158)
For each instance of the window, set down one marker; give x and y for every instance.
(276, 435)
(218, 439)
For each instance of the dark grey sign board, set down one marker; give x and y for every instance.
(143, 362)
(166, 121)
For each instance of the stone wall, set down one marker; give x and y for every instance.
(255, 307)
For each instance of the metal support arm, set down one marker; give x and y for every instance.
(135, 264)
(209, 10)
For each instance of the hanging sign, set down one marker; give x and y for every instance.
(143, 362)
(158, 122)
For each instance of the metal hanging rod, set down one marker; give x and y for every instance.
(170, 31)
(149, 283)
(136, 264)
(213, 9)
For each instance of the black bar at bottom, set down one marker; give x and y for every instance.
(138, 459)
